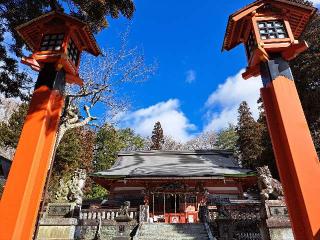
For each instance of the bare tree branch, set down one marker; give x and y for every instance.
(101, 93)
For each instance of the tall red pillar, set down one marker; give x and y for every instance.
(21, 198)
(296, 156)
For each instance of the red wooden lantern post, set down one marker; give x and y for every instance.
(57, 41)
(270, 31)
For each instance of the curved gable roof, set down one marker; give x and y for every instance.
(174, 164)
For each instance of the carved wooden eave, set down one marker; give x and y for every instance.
(297, 14)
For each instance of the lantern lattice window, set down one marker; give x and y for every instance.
(73, 52)
(272, 29)
(52, 42)
(251, 44)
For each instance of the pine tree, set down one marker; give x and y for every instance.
(10, 131)
(110, 141)
(157, 137)
(227, 138)
(248, 143)
(266, 156)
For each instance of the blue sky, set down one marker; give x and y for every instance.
(196, 87)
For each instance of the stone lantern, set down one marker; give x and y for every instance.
(56, 41)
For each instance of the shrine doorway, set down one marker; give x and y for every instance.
(172, 203)
(173, 208)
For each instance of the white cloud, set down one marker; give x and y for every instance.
(191, 76)
(173, 121)
(315, 2)
(222, 105)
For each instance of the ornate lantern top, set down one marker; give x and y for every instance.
(268, 27)
(58, 38)
(32, 31)
(297, 14)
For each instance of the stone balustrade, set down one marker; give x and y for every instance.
(105, 214)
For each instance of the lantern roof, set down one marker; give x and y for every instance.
(298, 15)
(32, 31)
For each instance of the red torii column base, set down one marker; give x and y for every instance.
(23, 190)
(296, 157)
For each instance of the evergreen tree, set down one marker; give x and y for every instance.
(227, 139)
(68, 157)
(10, 131)
(248, 143)
(157, 137)
(74, 151)
(266, 156)
(110, 141)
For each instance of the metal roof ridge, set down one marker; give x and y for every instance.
(175, 152)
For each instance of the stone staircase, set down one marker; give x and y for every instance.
(163, 231)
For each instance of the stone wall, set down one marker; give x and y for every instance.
(246, 220)
(61, 221)
(72, 229)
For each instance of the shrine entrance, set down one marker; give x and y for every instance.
(172, 207)
(173, 203)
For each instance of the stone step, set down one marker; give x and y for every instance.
(174, 229)
(178, 238)
(173, 225)
(170, 236)
(176, 232)
(176, 226)
(172, 232)
(173, 237)
(165, 231)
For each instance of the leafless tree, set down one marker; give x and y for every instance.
(169, 144)
(205, 141)
(104, 78)
(7, 107)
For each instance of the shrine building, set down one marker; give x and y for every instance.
(175, 185)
